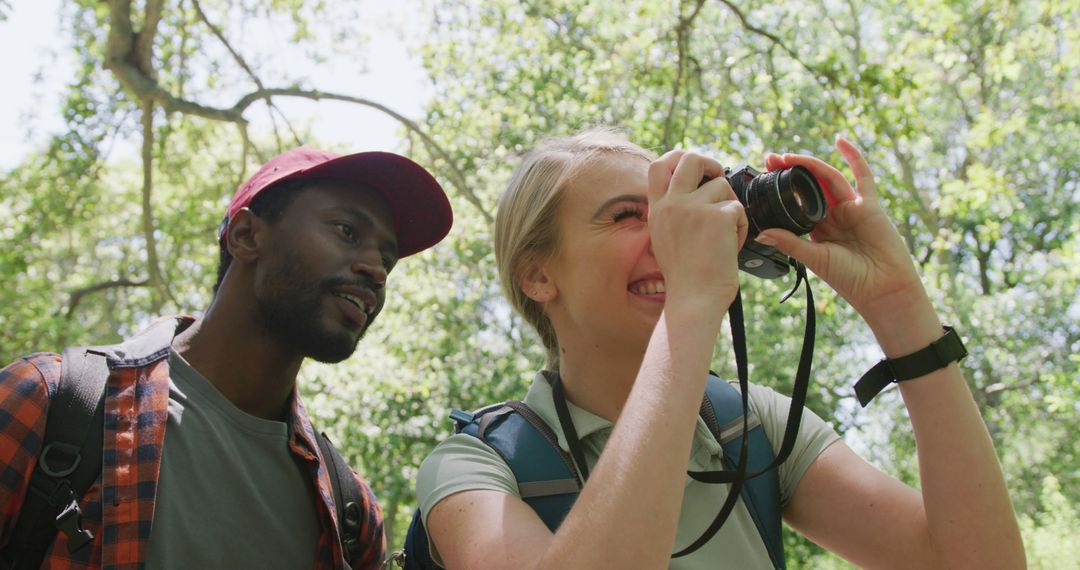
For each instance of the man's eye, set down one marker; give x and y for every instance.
(346, 230)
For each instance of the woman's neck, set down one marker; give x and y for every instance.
(599, 382)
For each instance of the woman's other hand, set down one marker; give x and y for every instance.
(855, 249)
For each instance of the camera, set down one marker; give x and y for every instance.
(790, 199)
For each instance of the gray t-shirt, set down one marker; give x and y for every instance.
(230, 494)
(464, 463)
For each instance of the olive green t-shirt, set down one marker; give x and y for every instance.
(464, 463)
(230, 494)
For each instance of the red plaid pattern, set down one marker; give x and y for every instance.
(136, 403)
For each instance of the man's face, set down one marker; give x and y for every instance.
(321, 282)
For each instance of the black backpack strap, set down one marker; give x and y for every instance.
(722, 411)
(69, 462)
(347, 499)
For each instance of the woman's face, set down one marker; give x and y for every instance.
(608, 290)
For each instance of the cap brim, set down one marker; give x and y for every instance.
(418, 204)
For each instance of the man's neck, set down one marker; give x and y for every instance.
(248, 366)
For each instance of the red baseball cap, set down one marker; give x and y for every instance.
(421, 211)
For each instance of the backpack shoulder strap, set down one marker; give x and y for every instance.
(722, 412)
(545, 475)
(69, 462)
(347, 499)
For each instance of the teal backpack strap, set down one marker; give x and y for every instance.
(722, 412)
(545, 475)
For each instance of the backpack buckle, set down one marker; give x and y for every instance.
(69, 522)
(396, 560)
(67, 452)
(461, 419)
(350, 529)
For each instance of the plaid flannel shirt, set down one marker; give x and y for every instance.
(118, 508)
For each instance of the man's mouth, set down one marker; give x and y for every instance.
(357, 303)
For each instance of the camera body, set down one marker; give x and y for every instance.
(790, 198)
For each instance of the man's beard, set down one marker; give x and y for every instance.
(293, 313)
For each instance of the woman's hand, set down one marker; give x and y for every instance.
(696, 229)
(856, 249)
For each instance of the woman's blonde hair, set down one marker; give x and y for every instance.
(526, 223)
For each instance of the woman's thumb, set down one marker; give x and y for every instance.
(789, 244)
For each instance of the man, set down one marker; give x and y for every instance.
(210, 460)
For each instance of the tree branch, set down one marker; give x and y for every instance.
(456, 174)
(78, 294)
(998, 387)
(145, 88)
(907, 173)
(144, 40)
(682, 39)
(778, 43)
(228, 46)
(216, 31)
(152, 260)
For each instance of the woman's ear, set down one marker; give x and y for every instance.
(536, 283)
(245, 234)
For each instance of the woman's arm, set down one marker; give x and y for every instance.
(963, 517)
(609, 525)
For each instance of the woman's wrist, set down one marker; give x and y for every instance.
(697, 315)
(904, 326)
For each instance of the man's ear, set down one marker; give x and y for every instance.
(536, 282)
(246, 234)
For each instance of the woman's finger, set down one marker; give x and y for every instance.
(836, 186)
(719, 189)
(773, 161)
(660, 171)
(742, 226)
(864, 178)
(811, 254)
(690, 170)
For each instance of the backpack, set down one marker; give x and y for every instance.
(549, 482)
(71, 458)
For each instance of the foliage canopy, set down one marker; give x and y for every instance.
(967, 110)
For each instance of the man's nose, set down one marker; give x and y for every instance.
(370, 262)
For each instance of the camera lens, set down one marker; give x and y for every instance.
(790, 199)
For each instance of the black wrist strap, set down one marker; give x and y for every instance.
(939, 354)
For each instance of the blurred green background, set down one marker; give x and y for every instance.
(967, 110)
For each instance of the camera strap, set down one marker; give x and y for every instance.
(737, 477)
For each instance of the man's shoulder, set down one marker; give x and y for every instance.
(34, 375)
(26, 386)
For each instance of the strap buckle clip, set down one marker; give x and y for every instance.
(396, 560)
(350, 527)
(69, 522)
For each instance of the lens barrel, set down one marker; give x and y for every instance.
(790, 199)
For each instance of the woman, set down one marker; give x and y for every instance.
(626, 267)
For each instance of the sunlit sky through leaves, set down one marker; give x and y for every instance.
(38, 59)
